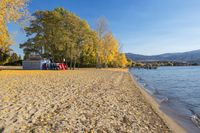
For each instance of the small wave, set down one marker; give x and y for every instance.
(142, 83)
(148, 91)
(164, 100)
(156, 92)
(138, 78)
(145, 84)
(196, 119)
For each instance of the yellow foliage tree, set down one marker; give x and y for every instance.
(108, 53)
(10, 10)
(110, 49)
(123, 60)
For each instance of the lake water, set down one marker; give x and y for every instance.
(177, 90)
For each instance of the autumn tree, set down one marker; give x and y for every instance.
(108, 49)
(4, 55)
(102, 30)
(59, 34)
(10, 10)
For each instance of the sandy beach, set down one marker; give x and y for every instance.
(86, 100)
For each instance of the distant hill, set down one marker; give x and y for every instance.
(191, 57)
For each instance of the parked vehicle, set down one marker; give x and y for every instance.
(54, 66)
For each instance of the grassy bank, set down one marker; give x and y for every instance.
(75, 101)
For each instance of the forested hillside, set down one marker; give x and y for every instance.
(190, 57)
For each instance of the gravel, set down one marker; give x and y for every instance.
(80, 101)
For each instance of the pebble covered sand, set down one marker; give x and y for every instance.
(80, 101)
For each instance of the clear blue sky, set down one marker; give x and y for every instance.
(142, 26)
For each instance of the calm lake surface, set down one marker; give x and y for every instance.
(177, 90)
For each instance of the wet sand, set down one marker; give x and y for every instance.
(86, 100)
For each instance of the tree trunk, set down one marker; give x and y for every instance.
(100, 65)
(79, 64)
(70, 63)
(71, 58)
(98, 62)
(74, 63)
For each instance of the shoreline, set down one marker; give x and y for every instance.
(174, 126)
